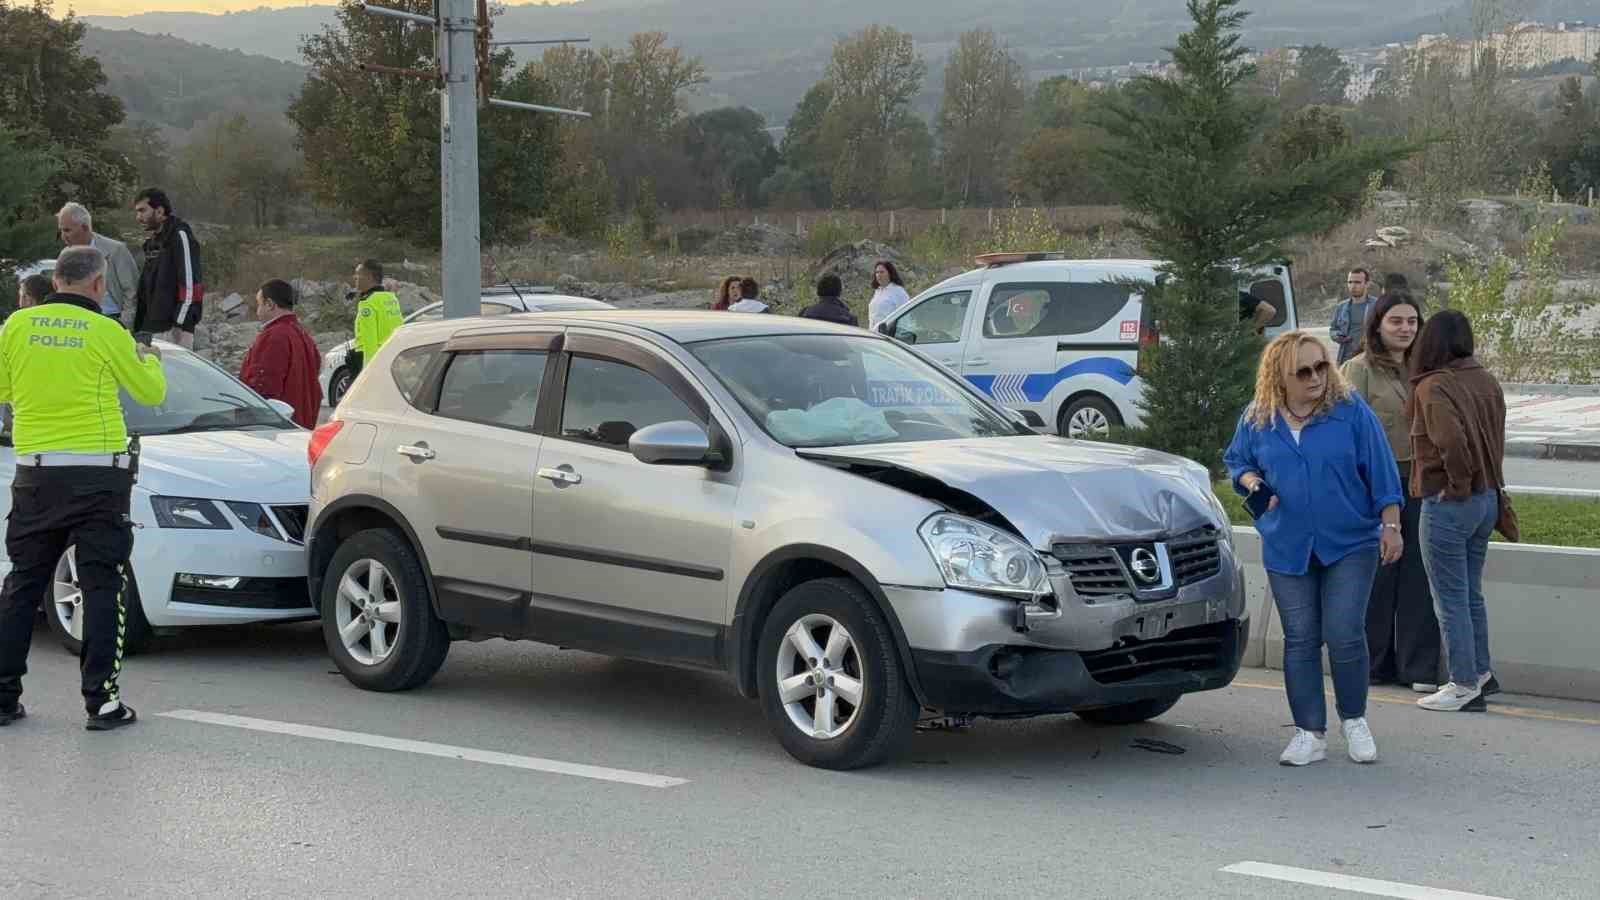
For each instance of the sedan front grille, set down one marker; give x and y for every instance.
(293, 521)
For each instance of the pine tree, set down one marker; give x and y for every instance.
(1179, 154)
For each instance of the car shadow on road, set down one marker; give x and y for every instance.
(535, 687)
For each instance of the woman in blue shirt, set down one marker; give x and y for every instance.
(1335, 515)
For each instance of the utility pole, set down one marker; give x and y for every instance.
(462, 43)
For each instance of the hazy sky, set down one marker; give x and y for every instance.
(134, 7)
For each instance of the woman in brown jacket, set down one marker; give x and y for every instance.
(1402, 630)
(1458, 428)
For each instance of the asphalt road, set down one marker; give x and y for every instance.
(1500, 805)
(1552, 473)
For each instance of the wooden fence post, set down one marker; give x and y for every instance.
(991, 218)
(891, 223)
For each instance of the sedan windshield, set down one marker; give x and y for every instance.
(818, 390)
(200, 397)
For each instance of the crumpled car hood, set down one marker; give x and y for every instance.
(1055, 490)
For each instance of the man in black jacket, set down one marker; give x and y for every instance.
(170, 287)
(829, 307)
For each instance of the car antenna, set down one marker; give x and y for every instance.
(502, 272)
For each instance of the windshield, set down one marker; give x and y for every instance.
(200, 397)
(819, 390)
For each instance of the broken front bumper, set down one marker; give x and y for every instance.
(1008, 680)
(982, 654)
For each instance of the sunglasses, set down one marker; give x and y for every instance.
(1306, 373)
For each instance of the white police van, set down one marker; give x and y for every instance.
(1057, 337)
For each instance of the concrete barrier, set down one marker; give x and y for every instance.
(1544, 616)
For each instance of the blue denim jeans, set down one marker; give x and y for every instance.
(1455, 542)
(1327, 605)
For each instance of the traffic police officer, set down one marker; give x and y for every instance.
(61, 363)
(377, 315)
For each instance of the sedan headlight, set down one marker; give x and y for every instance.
(188, 512)
(975, 556)
(255, 518)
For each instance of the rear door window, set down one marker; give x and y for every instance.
(1051, 309)
(493, 387)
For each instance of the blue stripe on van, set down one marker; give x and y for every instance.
(1033, 388)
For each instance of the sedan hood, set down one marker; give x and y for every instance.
(1054, 490)
(258, 466)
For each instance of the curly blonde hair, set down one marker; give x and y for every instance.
(1272, 390)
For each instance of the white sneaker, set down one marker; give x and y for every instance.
(1423, 687)
(1358, 738)
(1305, 749)
(1450, 698)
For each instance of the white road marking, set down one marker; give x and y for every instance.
(425, 748)
(1351, 883)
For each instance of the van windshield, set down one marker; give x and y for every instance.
(823, 390)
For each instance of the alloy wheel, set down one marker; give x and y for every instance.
(67, 596)
(820, 680)
(1088, 422)
(367, 612)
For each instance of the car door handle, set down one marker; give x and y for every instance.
(417, 452)
(561, 476)
(977, 362)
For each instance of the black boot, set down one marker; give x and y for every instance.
(7, 716)
(108, 721)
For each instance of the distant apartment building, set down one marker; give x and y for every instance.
(1526, 45)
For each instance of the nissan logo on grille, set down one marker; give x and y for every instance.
(1146, 568)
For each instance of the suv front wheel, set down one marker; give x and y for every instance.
(831, 682)
(376, 619)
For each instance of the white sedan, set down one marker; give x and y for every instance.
(336, 377)
(218, 511)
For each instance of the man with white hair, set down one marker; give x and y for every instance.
(61, 364)
(76, 228)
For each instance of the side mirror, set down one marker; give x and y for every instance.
(886, 328)
(281, 408)
(1033, 419)
(680, 443)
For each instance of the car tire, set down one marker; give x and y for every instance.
(1128, 713)
(339, 385)
(885, 714)
(1093, 414)
(403, 643)
(61, 606)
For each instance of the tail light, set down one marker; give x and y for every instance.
(1149, 336)
(321, 438)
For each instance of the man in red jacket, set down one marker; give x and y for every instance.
(283, 362)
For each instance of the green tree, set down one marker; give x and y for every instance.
(371, 142)
(1181, 162)
(50, 93)
(874, 75)
(803, 178)
(26, 230)
(1320, 78)
(1569, 143)
(730, 150)
(981, 114)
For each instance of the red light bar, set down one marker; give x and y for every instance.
(1001, 259)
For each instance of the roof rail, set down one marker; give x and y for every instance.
(990, 260)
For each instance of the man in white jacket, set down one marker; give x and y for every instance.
(750, 291)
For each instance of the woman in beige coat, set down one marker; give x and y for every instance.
(1402, 629)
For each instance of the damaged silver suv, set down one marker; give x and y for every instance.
(851, 531)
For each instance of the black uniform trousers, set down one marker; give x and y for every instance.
(1402, 629)
(53, 508)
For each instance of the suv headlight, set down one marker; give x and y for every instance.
(188, 512)
(975, 556)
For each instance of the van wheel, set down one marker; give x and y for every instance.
(831, 681)
(1088, 418)
(63, 607)
(1128, 713)
(376, 619)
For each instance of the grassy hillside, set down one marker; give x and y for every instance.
(173, 83)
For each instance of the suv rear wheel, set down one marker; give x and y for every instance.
(376, 619)
(831, 682)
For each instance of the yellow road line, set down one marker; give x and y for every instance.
(1520, 712)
